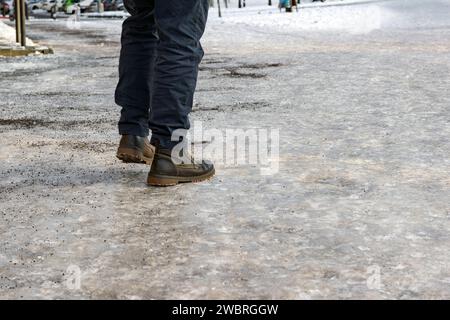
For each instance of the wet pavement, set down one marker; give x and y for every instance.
(359, 208)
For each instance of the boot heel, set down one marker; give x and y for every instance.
(133, 156)
(161, 181)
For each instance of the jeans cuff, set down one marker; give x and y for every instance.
(134, 130)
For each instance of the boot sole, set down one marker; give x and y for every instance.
(133, 156)
(168, 181)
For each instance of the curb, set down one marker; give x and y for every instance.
(24, 51)
(105, 15)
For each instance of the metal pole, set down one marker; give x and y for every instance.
(23, 38)
(18, 24)
(19, 12)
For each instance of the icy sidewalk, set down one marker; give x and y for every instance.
(357, 210)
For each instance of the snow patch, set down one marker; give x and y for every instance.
(8, 35)
(355, 19)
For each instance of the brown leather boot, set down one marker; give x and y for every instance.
(165, 172)
(135, 149)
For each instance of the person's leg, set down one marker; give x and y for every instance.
(136, 66)
(180, 25)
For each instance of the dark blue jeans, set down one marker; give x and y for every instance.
(158, 66)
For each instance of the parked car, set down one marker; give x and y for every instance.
(5, 7)
(47, 5)
(35, 4)
(120, 6)
(69, 8)
(12, 10)
(110, 5)
(92, 7)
